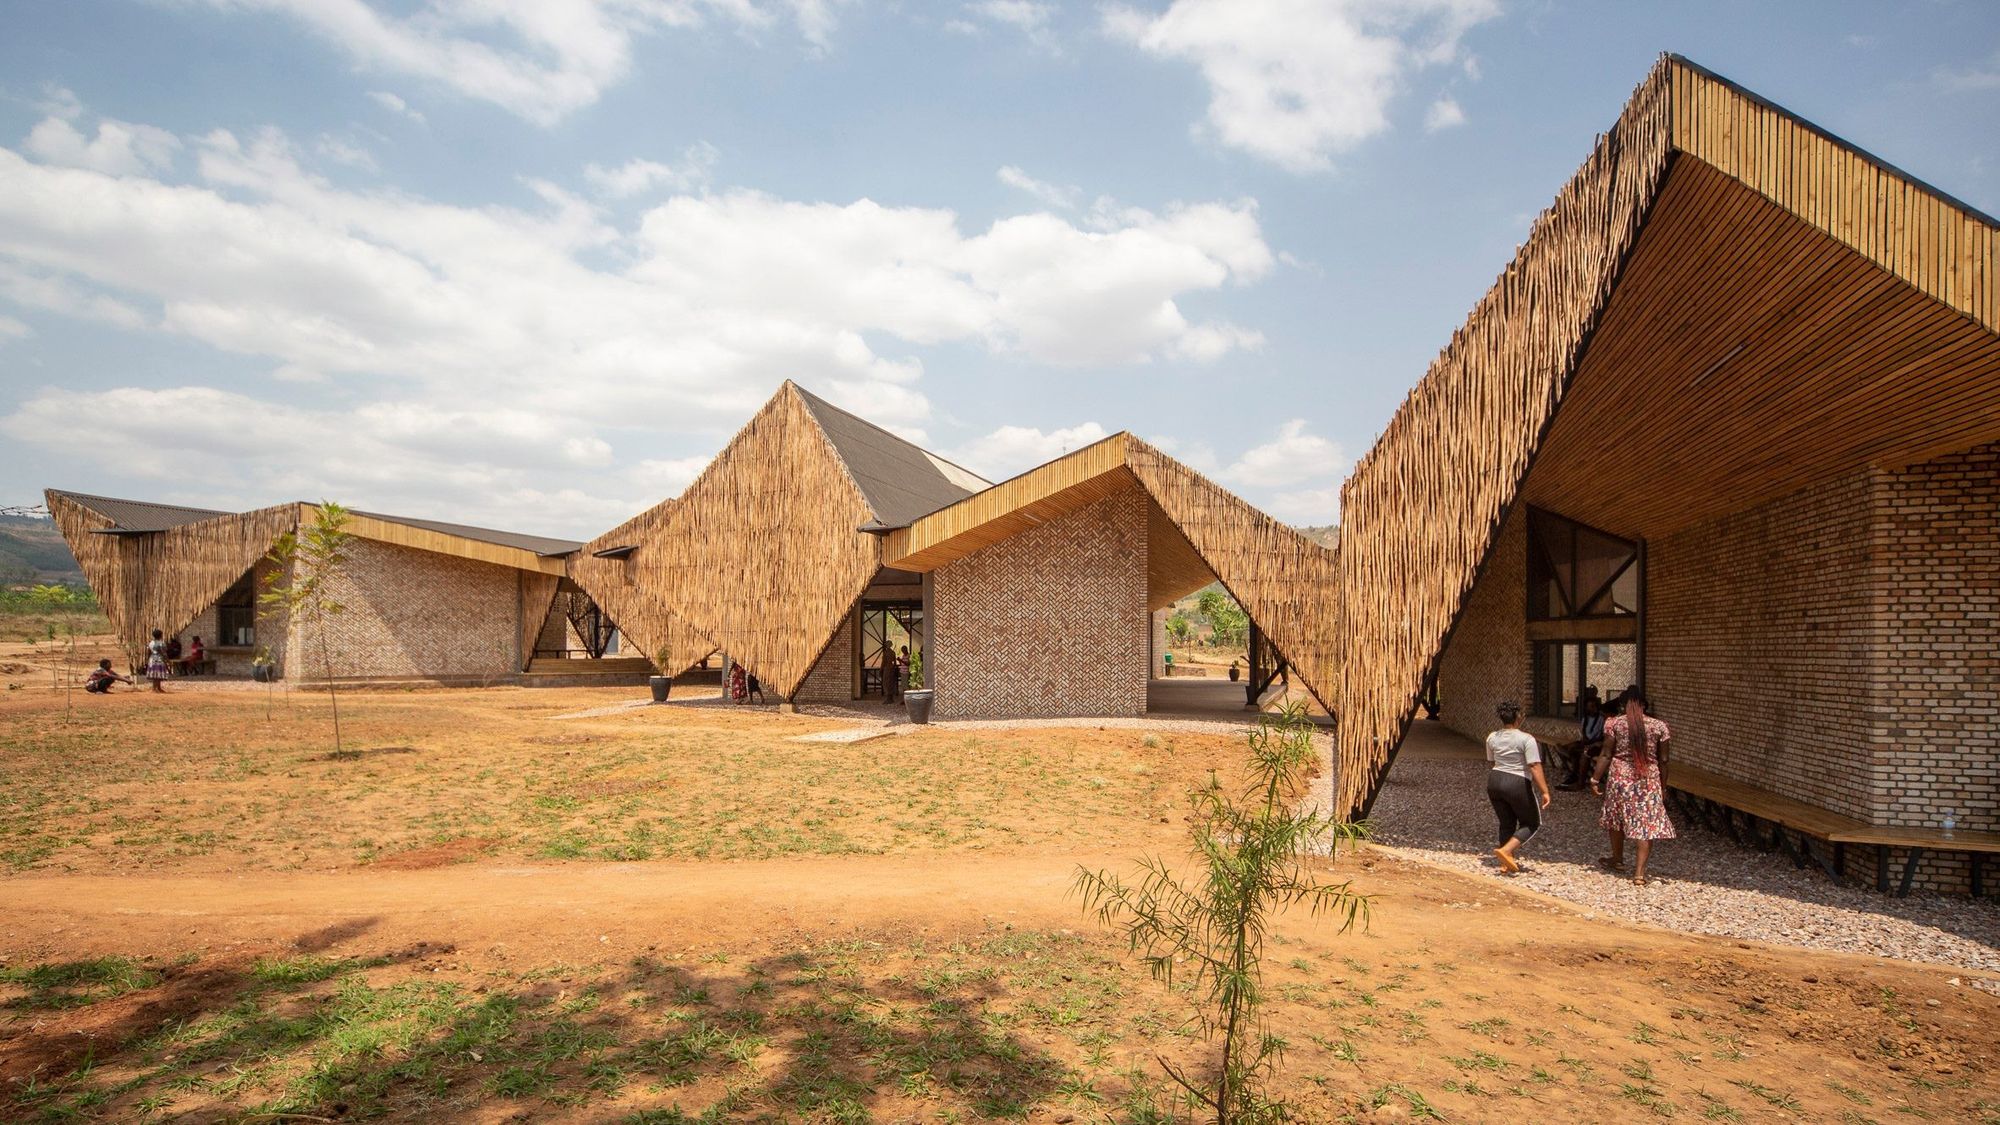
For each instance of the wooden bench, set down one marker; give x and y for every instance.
(203, 667)
(1711, 799)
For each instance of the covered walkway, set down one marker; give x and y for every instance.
(1433, 808)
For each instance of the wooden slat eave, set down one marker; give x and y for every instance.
(1045, 492)
(1938, 244)
(440, 543)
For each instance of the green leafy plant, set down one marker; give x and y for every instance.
(1179, 627)
(309, 563)
(1251, 850)
(68, 608)
(916, 680)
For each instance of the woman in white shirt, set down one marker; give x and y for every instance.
(1515, 784)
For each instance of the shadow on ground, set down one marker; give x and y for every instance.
(788, 1037)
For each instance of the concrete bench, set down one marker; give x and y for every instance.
(1711, 799)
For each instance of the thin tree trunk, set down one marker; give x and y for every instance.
(332, 694)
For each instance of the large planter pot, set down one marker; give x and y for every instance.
(1235, 673)
(261, 673)
(661, 685)
(918, 701)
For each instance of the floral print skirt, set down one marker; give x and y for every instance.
(1635, 807)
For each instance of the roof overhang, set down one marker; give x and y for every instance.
(441, 543)
(1044, 493)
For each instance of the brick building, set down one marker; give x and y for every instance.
(1728, 427)
(422, 601)
(817, 545)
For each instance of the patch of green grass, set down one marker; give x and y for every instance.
(75, 984)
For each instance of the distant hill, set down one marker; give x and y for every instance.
(33, 551)
(1327, 536)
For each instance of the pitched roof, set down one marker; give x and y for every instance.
(134, 516)
(540, 544)
(131, 517)
(900, 481)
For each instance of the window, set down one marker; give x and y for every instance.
(1576, 571)
(236, 614)
(1585, 588)
(1562, 672)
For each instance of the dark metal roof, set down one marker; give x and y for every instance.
(900, 481)
(134, 516)
(539, 544)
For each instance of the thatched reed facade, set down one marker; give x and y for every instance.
(1726, 426)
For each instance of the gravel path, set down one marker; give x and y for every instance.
(1434, 808)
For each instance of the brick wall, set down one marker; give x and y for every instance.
(832, 678)
(1050, 622)
(1870, 604)
(1488, 657)
(1756, 619)
(1937, 677)
(412, 613)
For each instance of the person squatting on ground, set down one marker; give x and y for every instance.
(102, 677)
(1516, 785)
(156, 661)
(1635, 766)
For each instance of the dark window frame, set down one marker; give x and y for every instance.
(1543, 572)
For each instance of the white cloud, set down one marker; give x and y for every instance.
(638, 177)
(1015, 449)
(1055, 195)
(509, 352)
(119, 149)
(1028, 17)
(395, 104)
(11, 329)
(1288, 459)
(540, 61)
(667, 477)
(1312, 507)
(1443, 114)
(1984, 75)
(1298, 82)
(344, 152)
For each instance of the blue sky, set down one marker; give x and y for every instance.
(529, 263)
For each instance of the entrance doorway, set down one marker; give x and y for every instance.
(886, 627)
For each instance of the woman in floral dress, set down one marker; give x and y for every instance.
(1635, 803)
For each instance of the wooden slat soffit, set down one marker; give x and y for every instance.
(1421, 511)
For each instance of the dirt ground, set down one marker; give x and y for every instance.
(676, 914)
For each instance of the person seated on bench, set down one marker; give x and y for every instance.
(102, 677)
(191, 660)
(1582, 754)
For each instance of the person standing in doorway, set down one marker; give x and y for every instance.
(1516, 785)
(898, 672)
(1632, 776)
(156, 662)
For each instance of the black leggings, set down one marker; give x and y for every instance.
(1514, 803)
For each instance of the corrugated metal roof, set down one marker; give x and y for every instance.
(900, 481)
(141, 515)
(539, 544)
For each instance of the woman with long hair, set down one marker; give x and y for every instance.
(1516, 785)
(1632, 776)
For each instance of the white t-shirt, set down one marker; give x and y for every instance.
(1513, 750)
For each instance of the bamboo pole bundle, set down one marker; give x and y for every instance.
(760, 556)
(1421, 510)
